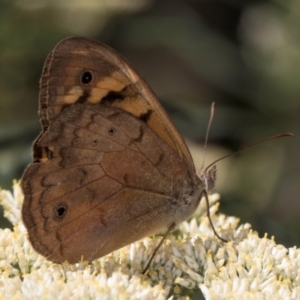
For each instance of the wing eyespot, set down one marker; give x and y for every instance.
(86, 77)
(111, 131)
(60, 211)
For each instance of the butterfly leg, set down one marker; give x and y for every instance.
(204, 193)
(171, 227)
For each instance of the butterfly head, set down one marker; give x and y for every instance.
(208, 177)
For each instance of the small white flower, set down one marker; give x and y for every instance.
(193, 261)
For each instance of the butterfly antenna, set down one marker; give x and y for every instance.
(249, 147)
(212, 112)
(208, 176)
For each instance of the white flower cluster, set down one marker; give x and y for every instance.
(191, 263)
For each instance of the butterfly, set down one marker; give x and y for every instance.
(109, 167)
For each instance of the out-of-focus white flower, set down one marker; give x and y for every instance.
(192, 260)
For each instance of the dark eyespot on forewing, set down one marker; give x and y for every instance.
(86, 77)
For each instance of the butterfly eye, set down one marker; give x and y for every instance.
(86, 77)
(60, 210)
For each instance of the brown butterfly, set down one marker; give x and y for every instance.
(109, 167)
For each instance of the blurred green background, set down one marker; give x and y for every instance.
(242, 55)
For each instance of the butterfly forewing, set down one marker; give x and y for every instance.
(114, 83)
